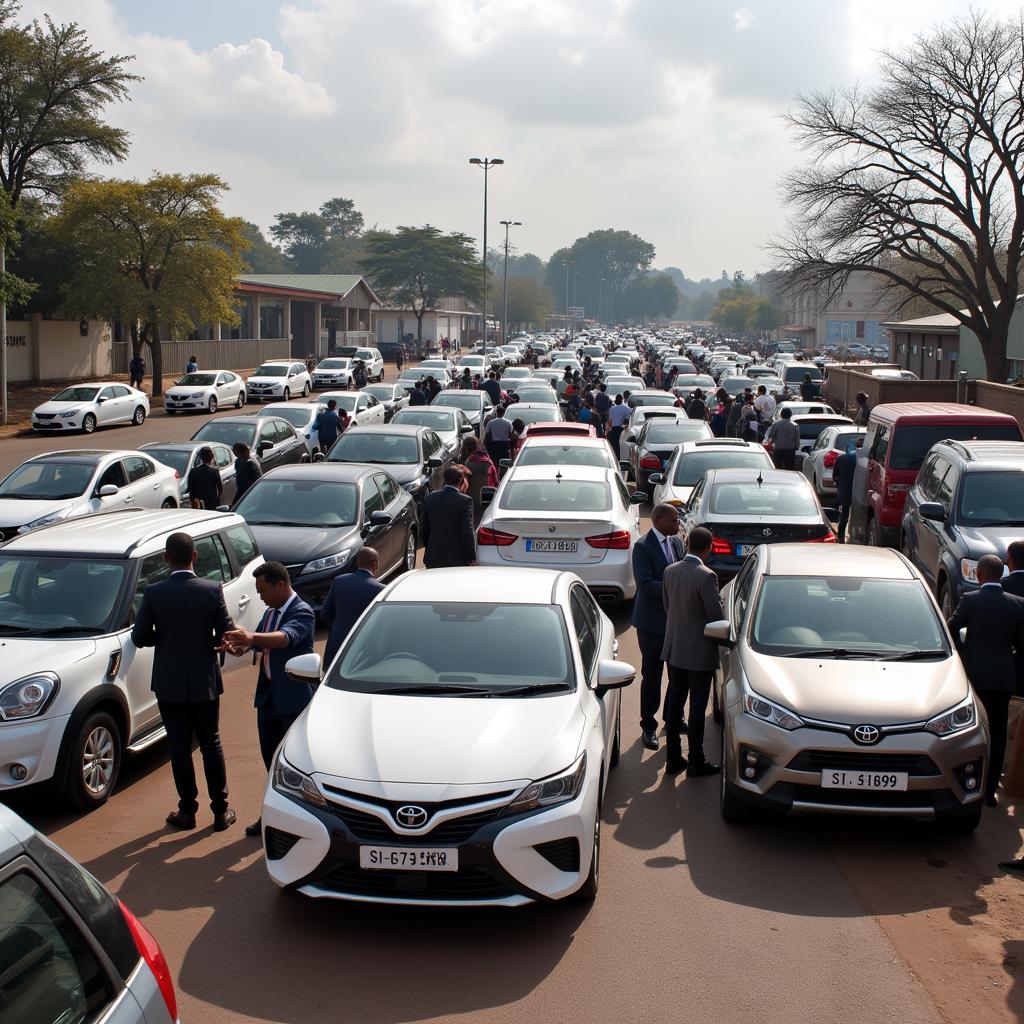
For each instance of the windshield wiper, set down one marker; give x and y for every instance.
(531, 688)
(913, 655)
(835, 652)
(441, 689)
(14, 630)
(67, 630)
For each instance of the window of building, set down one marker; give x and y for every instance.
(271, 318)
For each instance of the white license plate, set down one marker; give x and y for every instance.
(404, 858)
(833, 779)
(568, 547)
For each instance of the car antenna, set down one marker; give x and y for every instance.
(760, 479)
(558, 476)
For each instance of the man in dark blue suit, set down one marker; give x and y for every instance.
(284, 632)
(348, 598)
(652, 555)
(1013, 583)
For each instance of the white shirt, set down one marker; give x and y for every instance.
(275, 617)
(765, 405)
(663, 540)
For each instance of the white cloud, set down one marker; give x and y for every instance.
(742, 18)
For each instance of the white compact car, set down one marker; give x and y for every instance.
(451, 425)
(692, 459)
(206, 390)
(335, 372)
(279, 381)
(360, 405)
(577, 518)
(446, 762)
(65, 485)
(75, 691)
(820, 459)
(302, 416)
(374, 363)
(85, 407)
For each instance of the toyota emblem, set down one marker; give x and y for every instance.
(866, 735)
(767, 531)
(411, 816)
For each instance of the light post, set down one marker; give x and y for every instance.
(600, 301)
(504, 311)
(567, 264)
(486, 163)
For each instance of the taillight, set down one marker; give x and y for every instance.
(618, 540)
(650, 462)
(829, 538)
(494, 538)
(830, 459)
(149, 950)
(720, 547)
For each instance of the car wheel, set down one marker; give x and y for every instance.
(409, 558)
(240, 401)
(95, 762)
(588, 891)
(732, 810)
(211, 405)
(287, 395)
(617, 741)
(169, 503)
(963, 819)
(171, 412)
(139, 416)
(945, 601)
(305, 390)
(88, 424)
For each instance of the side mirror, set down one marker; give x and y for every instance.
(100, 400)
(504, 463)
(612, 675)
(637, 498)
(718, 631)
(487, 495)
(304, 669)
(466, 428)
(932, 510)
(624, 466)
(832, 513)
(434, 462)
(656, 478)
(263, 447)
(223, 508)
(379, 520)
(107, 491)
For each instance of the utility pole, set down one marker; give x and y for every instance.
(486, 163)
(504, 312)
(567, 264)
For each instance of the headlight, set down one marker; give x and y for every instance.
(558, 789)
(414, 486)
(28, 697)
(334, 561)
(757, 707)
(963, 716)
(197, 394)
(969, 569)
(69, 415)
(292, 782)
(51, 517)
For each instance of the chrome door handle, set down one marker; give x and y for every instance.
(129, 499)
(243, 602)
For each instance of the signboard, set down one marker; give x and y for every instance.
(576, 312)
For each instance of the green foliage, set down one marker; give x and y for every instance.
(740, 310)
(14, 290)
(262, 257)
(321, 242)
(648, 297)
(529, 302)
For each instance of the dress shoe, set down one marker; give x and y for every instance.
(224, 820)
(650, 739)
(703, 768)
(255, 828)
(1013, 865)
(675, 767)
(182, 821)
(991, 801)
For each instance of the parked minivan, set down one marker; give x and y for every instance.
(897, 439)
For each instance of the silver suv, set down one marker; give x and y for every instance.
(74, 690)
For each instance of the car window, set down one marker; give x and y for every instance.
(222, 378)
(370, 401)
(388, 488)
(947, 485)
(242, 543)
(696, 493)
(120, 391)
(106, 393)
(928, 478)
(372, 501)
(268, 432)
(138, 468)
(113, 474)
(741, 592)
(433, 443)
(154, 568)
(222, 457)
(585, 627)
(623, 490)
(285, 431)
(880, 448)
(212, 560)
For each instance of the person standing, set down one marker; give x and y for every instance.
(348, 598)
(498, 435)
(785, 437)
(863, 413)
(746, 429)
(808, 389)
(328, 426)
(1013, 583)
(652, 554)
(602, 406)
(284, 632)
(764, 404)
(186, 620)
(696, 409)
(192, 366)
(493, 388)
(417, 396)
(136, 371)
(247, 468)
(204, 484)
(842, 475)
(399, 359)
(995, 629)
(447, 524)
(618, 416)
(691, 599)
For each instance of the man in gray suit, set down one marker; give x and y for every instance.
(690, 593)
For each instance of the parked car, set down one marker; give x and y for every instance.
(651, 397)
(476, 405)
(656, 441)
(690, 460)
(205, 391)
(280, 381)
(362, 406)
(566, 450)
(358, 806)
(183, 456)
(70, 950)
(302, 416)
(374, 363)
(533, 391)
(314, 519)
(85, 407)
(393, 397)
(451, 425)
(333, 372)
(75, 694)
(820, 459)
(534, 412)
(272, 440)
(637, 418)
(49, 488)
(840, 692)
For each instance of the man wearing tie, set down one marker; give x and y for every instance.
(285, 632)
(348, 598)
(652, 554)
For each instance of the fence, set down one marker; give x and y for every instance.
(233, 354)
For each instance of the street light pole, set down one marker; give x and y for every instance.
(504, 311)
(486, 163)
(600, 301)
(567, 264)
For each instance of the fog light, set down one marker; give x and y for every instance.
(969, 769)
(749, 772)
(19, 772)
(751, 757)
(971, 783)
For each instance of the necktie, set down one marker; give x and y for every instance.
(271, 627)
(667, 546)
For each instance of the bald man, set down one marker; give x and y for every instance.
(348, 598)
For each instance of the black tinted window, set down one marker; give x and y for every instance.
(912, 441)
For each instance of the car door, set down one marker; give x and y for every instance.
(436, 451)
(586, 620)
(241, 598)
(114, 475)
(106, 406)
(135, 671)
(389, 540)
(921, 546)
(225, 389)
(374, 410)
(143, 481)
(268, 451)
(292, 446)
(225, 463)
(124, 404)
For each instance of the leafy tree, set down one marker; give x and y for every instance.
(154, 254)
(418, 267)
(314, 240)
(529, 302)
(262, 257)
(14, 290)
(342, 218)
(765, 316)
(526, 265)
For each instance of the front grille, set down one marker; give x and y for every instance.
(563, 853)
(277, 843)
(370, 827)
(465, 884)
(854, 761)
(46, 415)
(882, 799)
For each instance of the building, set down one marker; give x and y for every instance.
(42, 350)
(453, 318)
(856, 313)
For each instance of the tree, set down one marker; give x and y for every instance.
(342, 218)
(417, 267)
(53, 89)
(529, 302)
(919, 181)
(262, 257)
(153, 254)
(311, 240)
(648, 297)
(14, 290)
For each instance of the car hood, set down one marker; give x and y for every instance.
(22, 655)
(295, 544)
(436, 740)
(183, 391)
(857, 692)
(988, 540)
(267, 380)
(56, 407)
(15, 512)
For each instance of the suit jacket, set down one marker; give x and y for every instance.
(1014, 584)
(347, 599)
(649, 567)
(690, 593)
(288, 696)
(995, 626)
(447, 525)
(183, 618)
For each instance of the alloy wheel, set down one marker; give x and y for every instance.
(410, 551)
(98, 761)
(211, 406)
(89, 424)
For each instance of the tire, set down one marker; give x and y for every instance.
(95, 762)
(240, 401)
(732, 810)
(169, 503)
(211, 405)
(616, 754)
(305, 390)
(139, 416)
(409, 557)
(945, 601)
(287, 397)
(88, 424)
(963, 819)
(587, 892)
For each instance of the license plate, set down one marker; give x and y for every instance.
(402, 858)
(744, 549)
(568, 547)
(832, 779)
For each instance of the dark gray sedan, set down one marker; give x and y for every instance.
(272, 440)
(183, 456)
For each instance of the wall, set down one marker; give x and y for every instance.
(999, 397)
(232, 354)
(843, 386)
(41, 350)
(858, 301)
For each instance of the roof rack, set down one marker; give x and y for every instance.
(960, 448)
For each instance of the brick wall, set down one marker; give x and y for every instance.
(999, 397)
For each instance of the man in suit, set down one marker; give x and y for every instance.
(690, 594)
(204, 483)
(1014, 584)
(185, 619)
(348, 598)
(995, 628)
(652, 555)
(285, 631)
(447, 524)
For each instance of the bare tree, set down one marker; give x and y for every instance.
(919, 180)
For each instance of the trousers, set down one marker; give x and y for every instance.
(271, 726)
(200, 721)
(784, 458)
(997, 707)
(682, 684)
(652, 669)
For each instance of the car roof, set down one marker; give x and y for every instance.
(719, 444)
(406, 429)
(312, 403)
(929, 410)
(328, 472)
(251, 420)
(834, 419)
(984, 454)
(836, 560)
(509, 409)
(278, 362)
(79, 454)
(572, 438)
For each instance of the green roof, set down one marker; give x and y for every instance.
(329, 284)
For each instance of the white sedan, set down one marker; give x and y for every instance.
(578, 518)
(442, 761)
(281, 380)
(361, 406)
(205, 390)
(820, 460)
(451, 425)
(638, 417)
(85, 407)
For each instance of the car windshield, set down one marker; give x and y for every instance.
(469, 401)
(556, 496)
(536, 393)
(57, 596)
(437, 419)
(333, 364)
(197, 380)
(434, 650)
(346, 400)
(382, 392)
(76, 395)
(319, 503)
(734, 385)
(592, 350)
(565, 455)
(797, 614)
(676, 433)
(992, 499)
(796, 374)
(911, 441)
(639, 401)
(847, 439)
(179, 459)
(271, 371)
(754, 499)
(47, 480)
(692, 466)
(387, 449)
(541, 414)
(226, 432)
(296, 415)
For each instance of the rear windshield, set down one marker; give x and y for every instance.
(466, 400)
(197, 380)
(565, 455)
(179, 459)
(556, 496)
(225, 432)
(384, 449)
(810, 430)
(638, 401)
(676, 433)
(754, 499)
(296, 415)
(911, 441)
(795, 374)
(693, 466)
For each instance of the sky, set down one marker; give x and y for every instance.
(660, 117)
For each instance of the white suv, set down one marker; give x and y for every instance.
(279, 380)
(75, 691)
(374, 362)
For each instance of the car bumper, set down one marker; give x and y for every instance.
(56, 425)
(262, 395)
(313, 587)
(610, 578)
(174, 405)
(34, 744)
(331, 382)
